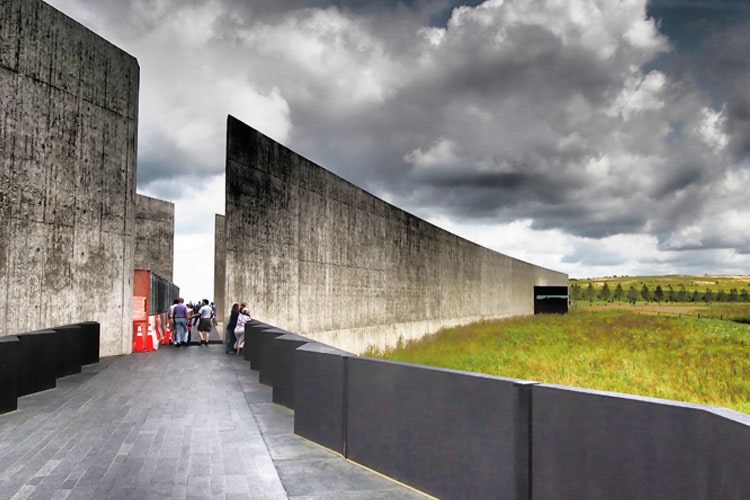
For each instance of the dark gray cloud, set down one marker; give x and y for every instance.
(614, 118)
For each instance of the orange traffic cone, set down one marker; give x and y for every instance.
(138, 345)
(167, 334)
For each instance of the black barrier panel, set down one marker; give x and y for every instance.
(90, 330)
(319, 374)
(10, 353)
(550, 299)
(451, 434)
(38, 361)
(591, 444)
(265, 353)
(282, 369)
(70, 350)
(250, 352)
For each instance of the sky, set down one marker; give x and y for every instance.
(594, 137)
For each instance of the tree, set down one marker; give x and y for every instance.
(744, 296)
(575, 292)
(708, 297)
(721, 296)
(733, 295)
(590, 293)
(632, 294)
(671, 295)
(605, 293)
(619, 293)
(681, 295)
(646, 294)
(696, 296)
(658, 294)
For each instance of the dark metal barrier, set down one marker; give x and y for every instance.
(69, 350)
(162, 294)
(283, 367)
(250, 352)
(38, 361)
(591, 444)
(466, 435)
(265, 354)
(10, 353)
(90, 330)
(320, 395)
(451, 434)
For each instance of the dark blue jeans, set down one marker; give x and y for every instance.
(230, 339)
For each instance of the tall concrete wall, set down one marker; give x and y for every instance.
(154, 235)
(68, 133)
(317, 255)
(220, 261)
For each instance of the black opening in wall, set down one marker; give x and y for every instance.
(550, 299)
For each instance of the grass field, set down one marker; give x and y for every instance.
(733, 311)
(697, 360)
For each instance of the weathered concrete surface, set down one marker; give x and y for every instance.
(154, 235)
(220, 260)
(316, 255)
(68, 134)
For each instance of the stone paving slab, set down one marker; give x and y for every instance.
(178, 423)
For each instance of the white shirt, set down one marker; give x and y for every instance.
(205, 312)
(171, 310)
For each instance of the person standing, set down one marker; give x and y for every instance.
(239, 330)
(205, 325)
(170, 316)
(180, 314)
(229, 335)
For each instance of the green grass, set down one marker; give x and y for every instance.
(697, 360)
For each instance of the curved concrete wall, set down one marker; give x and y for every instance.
(315, 254)
(68, 137)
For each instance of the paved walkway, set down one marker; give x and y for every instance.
(179, 423)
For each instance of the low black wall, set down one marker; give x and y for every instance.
(38, 361)
(282, 367)
(69, 350)
(90, 331)
(451, 434)
(466, 435)
(10, 353)
(265, 338)
(319, 395)
(590, 444)
(251, 350)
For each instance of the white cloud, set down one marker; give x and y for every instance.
(517, 121)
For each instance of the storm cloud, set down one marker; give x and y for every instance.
(588, 118)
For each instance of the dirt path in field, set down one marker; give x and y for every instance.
(652, 309)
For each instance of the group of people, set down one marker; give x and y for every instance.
(202, 317)
(184, 318)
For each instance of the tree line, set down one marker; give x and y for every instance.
(658, 294)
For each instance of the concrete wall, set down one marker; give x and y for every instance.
(68, 134)
(154, 235)
(317, 255)
(220, 261)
